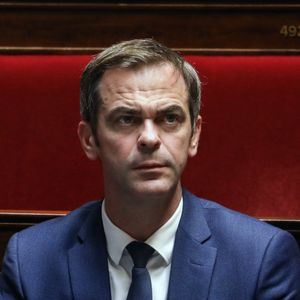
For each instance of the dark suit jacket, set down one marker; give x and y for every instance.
(219, 254)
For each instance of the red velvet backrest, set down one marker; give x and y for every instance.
(249, 153)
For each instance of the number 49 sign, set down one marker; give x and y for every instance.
(290, 30)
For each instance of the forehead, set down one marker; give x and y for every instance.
(154, 82)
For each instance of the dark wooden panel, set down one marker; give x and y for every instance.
(211, 28)
(12, 222)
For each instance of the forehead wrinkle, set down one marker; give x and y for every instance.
(167, 80)
(142, 95)
(150, 95)
(143, 86)
(144, 104)
(136, 89)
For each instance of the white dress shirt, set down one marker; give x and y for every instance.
(120, 263)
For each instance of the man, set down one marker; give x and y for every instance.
(140, 118)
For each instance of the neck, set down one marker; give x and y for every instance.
(140, 216)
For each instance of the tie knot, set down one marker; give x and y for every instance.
(140, 253)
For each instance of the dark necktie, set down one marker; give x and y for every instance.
(140, 288)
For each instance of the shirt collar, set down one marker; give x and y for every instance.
(116, 238)
(162, 240)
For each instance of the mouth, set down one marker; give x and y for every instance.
(149, 166)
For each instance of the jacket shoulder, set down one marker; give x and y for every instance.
(60, 229)
(232, 224)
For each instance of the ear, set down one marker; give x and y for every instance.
(193, 148)
(87, 140)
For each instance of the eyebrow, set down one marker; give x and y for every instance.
(123, 109)
(136, 111)
(171, 108)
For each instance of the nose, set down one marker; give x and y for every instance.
(148, 140)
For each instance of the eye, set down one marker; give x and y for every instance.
(126, 120)
(171, 118)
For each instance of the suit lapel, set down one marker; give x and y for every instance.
(88, 261)
(192, 261)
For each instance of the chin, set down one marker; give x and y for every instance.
(154, 188)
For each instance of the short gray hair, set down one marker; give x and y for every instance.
(133, 54)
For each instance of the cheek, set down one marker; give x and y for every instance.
(118, 148)
(177, 146)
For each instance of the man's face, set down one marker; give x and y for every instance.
(144, 129)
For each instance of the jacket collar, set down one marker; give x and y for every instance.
(88, 265)
(193, 261)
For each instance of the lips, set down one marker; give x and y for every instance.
(149, 166)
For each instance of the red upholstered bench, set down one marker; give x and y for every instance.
(249, 155)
